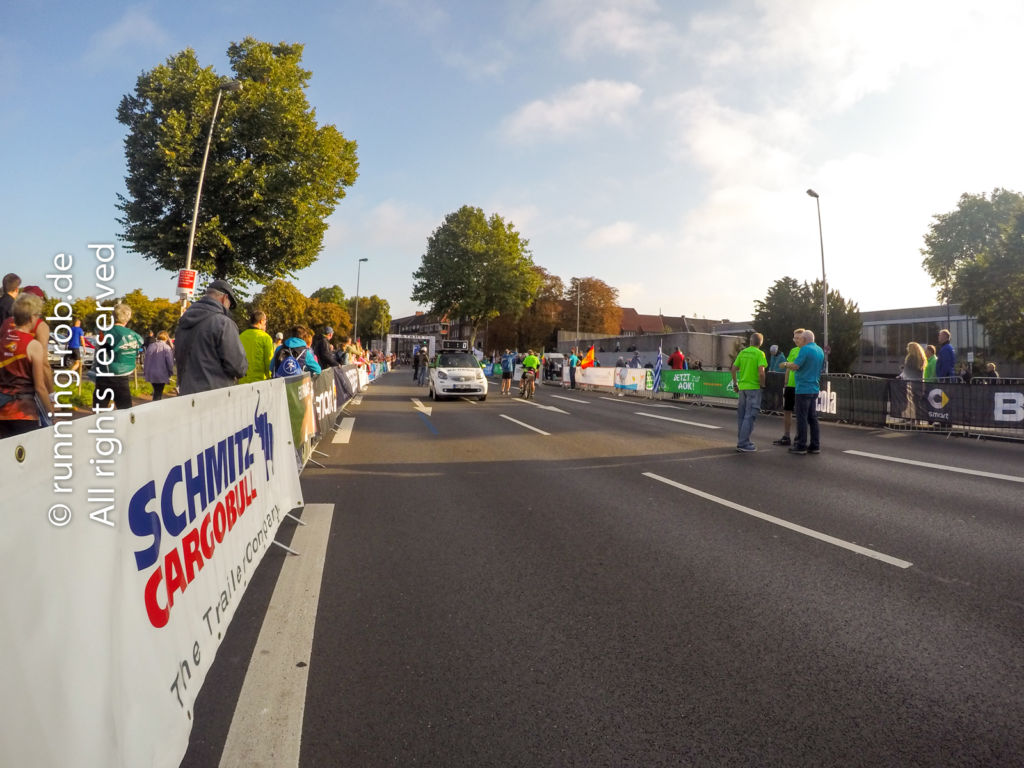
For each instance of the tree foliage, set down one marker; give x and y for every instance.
(956, 239)
(476, 267)
(152, 314)
(333, 294)
(992, 289)
(599, 310)
(272, 178)
(284, 305)
(327, 313)
(975, 256)
(789, 305)
(535, 326)
(374, 317)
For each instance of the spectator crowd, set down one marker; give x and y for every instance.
(207, 352)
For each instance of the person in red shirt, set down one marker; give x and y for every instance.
(23, 369)
(677, 362)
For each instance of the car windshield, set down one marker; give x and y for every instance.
(460, 360)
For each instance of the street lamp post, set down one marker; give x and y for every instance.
(355, 323)
(229, 85)
(579, 286)
(824, 280)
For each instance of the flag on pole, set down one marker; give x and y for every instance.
(588, 359)
(657, 371)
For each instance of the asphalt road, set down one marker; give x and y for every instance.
(627, 590)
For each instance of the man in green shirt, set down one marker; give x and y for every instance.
(259, 348)
(789, 391)
(531, 364)
(748, 381)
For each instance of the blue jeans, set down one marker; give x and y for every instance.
(746, 413)
(806, 408)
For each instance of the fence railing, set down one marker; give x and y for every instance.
(984, 407)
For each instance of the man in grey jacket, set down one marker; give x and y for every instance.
(207, 350)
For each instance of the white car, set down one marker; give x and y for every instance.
(456, 374)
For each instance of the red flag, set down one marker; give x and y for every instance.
(588, 359)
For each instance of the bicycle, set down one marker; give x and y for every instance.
(527, 384)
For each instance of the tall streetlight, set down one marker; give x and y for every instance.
(579, 285)
(227, 85)
(355, 323)
(824, 280)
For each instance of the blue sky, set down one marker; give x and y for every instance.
(664, 148)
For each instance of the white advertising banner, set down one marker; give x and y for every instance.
(592, 376)
(631, 378)
(126, 541)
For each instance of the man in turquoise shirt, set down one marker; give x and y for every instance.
(748, 381)
(808, 364)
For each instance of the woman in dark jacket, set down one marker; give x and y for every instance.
(158, 366)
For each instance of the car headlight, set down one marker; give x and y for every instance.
(442, 375)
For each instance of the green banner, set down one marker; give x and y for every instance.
(300, 410)
(703, 383)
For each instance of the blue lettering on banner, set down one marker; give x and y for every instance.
(205, 477)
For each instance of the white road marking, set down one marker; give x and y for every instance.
(636, 402)
(784, 523)
(425, 409)
(535, 404)
(266, 728)
(678, 421)
(571, 399)
(521, 424)
(943, 467)
(344, 433)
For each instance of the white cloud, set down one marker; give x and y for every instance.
(801, 94)
(134, 31)
(623, 235)
(620, 27)
(611, 236)
(592, 102)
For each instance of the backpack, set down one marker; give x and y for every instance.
(291, 364)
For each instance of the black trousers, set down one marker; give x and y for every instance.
(116, 388)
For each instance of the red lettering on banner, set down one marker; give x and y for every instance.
(229, 502)
(182, 564)
(206, 538)
(158, 616)
(173, 575)
(219, 521)
(190, 549)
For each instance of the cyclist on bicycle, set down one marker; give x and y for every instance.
(531, 364)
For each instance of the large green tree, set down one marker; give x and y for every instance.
(374, 317)
(284, 305)
(992, 289)
(956, 239)
(152, 314)
(535, 326)
(975, 256)
(476, 267)
(790, 304)
(333, 294)
(273, 175)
